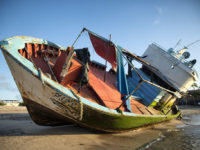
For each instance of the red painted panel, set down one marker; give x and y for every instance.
(40, 63)
(57, 69)
(36, 49)
(104, 49)
(73, 72)
(22, 52)
(85, 92)
(106, 91)
(29, 48)
(43, 47)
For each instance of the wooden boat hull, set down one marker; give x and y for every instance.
(49, 103)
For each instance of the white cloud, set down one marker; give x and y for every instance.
(159, 10)
(155, 22)
(2, 77)
(7, 86)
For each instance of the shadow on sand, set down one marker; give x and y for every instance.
(21, 124)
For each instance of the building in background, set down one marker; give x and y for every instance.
(10, 102)
(192, 98)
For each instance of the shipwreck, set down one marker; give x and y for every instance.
(61, 86)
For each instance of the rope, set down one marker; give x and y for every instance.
(78, 37)
(193, 43)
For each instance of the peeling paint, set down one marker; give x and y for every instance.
(55, 99)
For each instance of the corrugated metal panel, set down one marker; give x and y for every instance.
(147, 93)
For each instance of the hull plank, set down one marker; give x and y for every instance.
(44, 116)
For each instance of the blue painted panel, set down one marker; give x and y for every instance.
(146, 92)
(122, 84)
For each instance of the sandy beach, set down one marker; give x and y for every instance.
(18, 131)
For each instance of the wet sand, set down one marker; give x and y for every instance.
(18, 131)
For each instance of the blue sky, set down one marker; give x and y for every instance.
(134, 24)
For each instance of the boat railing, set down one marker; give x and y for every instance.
(140, 83)
(132, 66)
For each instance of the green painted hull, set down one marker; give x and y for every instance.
(94, 118)
(104, 121)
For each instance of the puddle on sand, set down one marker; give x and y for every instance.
(184, 137)
(193, 120)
